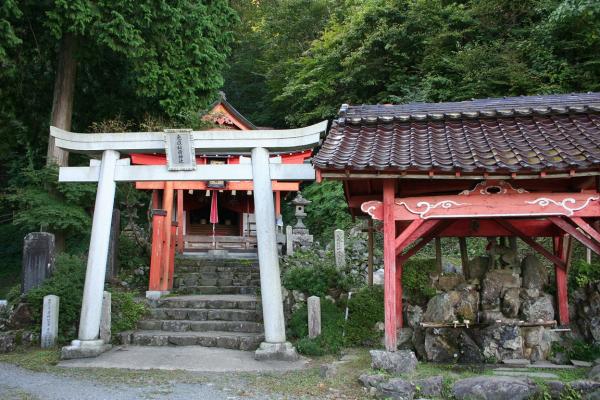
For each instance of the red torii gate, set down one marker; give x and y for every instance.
(521, 167)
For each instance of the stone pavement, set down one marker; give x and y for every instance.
(17, 384)
(188, 358)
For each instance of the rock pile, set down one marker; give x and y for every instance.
(495, 302)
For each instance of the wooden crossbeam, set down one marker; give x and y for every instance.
(412, 232)
(535, 245)
(587, 228)
(571, 230)
(437, 228)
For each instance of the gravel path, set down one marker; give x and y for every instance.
(20, 384)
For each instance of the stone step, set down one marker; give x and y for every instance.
(194, 279)
(214, 301)
(217, 290)
(213, 265)
(226, 340)
(199, 314)
(200, 326)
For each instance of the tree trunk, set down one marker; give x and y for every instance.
(64, 89)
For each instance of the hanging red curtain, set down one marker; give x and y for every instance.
(214, 211)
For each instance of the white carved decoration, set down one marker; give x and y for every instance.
(428, 206)
(545, 202)
(501, 187)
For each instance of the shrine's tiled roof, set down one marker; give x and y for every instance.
(556, 132)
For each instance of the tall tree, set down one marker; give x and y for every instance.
(171, 53)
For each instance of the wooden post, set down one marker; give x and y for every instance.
(389, 262)
(370, 252)
(180, 221)
(158, 223)
(562, 249)
(155, 200)
(172, 254)
(464, 256)
(438, 255)
(399, 316)
(168, 206)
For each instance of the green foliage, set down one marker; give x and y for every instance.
(66, 283)
(581, 274)
(125, 311)
(328, 210)
(63, 208)
(134, 262)
(365, 309)
(314, 58)
(580, 350)
(10, 254)
(415, 279)
(331, 339)
(307, 272)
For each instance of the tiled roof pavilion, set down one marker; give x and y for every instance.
(515, 134)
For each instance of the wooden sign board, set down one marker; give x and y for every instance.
(179, 146)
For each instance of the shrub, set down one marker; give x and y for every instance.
(332, 324)
(134, 262)
(66, 283)
(365, 309)
(581, 274)
(125, 311)
(580, 350)
(310, 274)
(415, 279)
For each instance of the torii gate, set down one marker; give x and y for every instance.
(111, 169)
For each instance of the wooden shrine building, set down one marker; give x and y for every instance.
(208, 215)
(521, 167)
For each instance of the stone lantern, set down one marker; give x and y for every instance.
(298, 235)
(300, 202)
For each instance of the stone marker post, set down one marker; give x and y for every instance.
(289, 240)
(38, 259)
(112, 261)
(105, 318)
(314, 316)
(339, 247)
(49, 332)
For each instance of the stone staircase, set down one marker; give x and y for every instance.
(214, 305)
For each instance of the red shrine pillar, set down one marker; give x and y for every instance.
(180, 221)
(166, 250)
(158, 223)
(172, 255)
(399, 316)
(562, 249)
(389, 263)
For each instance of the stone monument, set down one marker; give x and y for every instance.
(105, 318)
(314, 316)
(339, 248)
(38, 259)
(49, 332)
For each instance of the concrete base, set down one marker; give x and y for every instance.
(276, 351)
(187, 358)
(156, 294)
(84, 349)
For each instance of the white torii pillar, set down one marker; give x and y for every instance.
(275, 345)
(88, 344)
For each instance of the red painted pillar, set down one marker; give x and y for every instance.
(180, 221)
(399, 316)
(158, 219)
(562, 298)
(389, 263)
(166, 253)
(172, 254)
